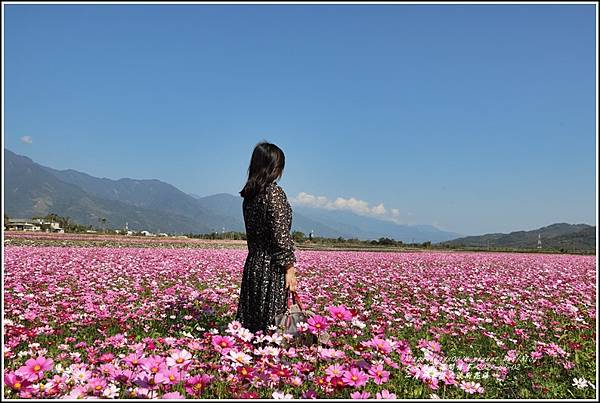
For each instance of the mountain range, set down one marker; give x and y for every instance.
(31, 189)
(556, 236)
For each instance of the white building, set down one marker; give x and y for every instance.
(53, 226)
(22, 224)
(36, 224)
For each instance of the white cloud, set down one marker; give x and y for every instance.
(27, 139)
(357, 206)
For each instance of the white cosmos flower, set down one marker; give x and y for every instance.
(430, 371)
(111, 391)
(281, 396)
(245, 334)
(580, 383)
(239, 357)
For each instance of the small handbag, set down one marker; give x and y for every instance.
(287, 322)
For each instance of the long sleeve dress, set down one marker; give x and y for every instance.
(268, 221)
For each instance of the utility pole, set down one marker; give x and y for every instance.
(539, 245)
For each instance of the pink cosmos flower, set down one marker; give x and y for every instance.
(381, 345)
(15, 382)
(223, 343)
(317, 324)
(448, 377)
(340, 313)
(536, 355)
(133, 359)
(462, 366)
(179, 358)
(378, 374)
(309, 394)
(153, 365)
(169, 375)
(385, 394)
(196, 384)
(173, 395)
(355, 377)
(511, 356)
(471, 387)
(107, 357)
(335, 370)
(234, 327)
(360, 395)
(96, 385)
(34, 368)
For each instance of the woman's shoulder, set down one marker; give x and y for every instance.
(275, 190)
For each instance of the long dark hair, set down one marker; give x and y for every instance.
(266, 166)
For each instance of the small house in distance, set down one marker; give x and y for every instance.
(36, 224)
(22, 224)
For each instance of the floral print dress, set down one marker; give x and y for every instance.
(268, 221)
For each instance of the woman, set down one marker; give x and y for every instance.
(269, 273)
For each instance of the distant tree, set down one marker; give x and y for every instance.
(386, 241)
(298, 236)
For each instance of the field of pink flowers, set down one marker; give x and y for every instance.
(153, 322)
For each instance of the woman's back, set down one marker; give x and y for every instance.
(268, 220)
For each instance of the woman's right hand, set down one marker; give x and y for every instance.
(290, 278)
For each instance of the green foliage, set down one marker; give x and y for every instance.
(298, 236)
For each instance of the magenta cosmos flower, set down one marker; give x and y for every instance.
(34, 368)
(196, 384)
(355, 377)
(381, 345)
(340, 313)
(15, 382)
(378, 374)
(317, 324)
(223, 343)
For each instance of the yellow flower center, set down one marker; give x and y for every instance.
(18, 385)
(171, 378)
(154, 369)
(37, 368)
(354, 377)
(244, 371)
(179, 360)
(98, 387)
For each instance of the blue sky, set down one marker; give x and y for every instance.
(474, 118)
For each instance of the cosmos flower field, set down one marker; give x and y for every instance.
(135, 322)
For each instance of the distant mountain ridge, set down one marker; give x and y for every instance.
(555, 236)
(150, 204)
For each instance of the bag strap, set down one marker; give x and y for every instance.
(296, 299)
